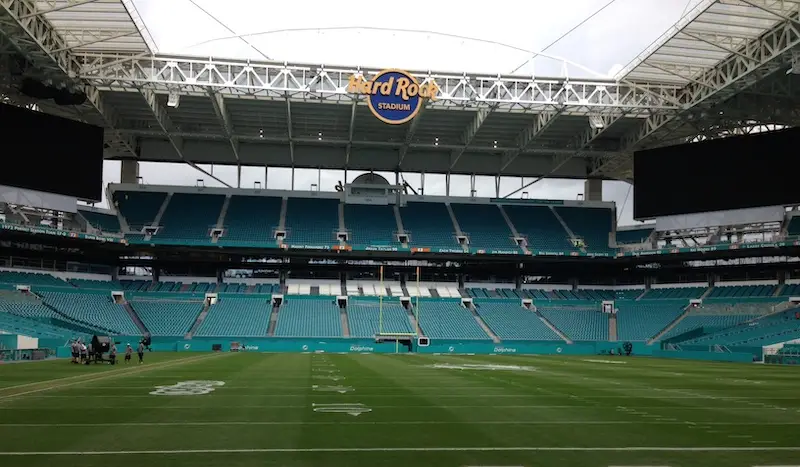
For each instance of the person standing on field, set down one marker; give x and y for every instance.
(140, 351)
(128, 353)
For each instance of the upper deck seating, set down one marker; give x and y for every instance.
(251, 219)
(541, 228)
(484, 225)
(190, 217)
(312, 221)
(139, 208)
(429, 225)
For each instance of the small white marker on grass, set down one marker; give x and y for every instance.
(350, 409)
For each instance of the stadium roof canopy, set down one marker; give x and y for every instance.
(723, 69)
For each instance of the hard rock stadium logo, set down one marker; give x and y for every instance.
(394, 96)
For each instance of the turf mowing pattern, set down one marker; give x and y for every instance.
(371, 409)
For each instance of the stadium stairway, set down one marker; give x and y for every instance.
(344, 320)
(412, 320)
(612, 327)
(707, 292)
(399, 221)
(135, 317)
(566, 227)
(273, 320)
(551, 325)
(456, 226)
(163, 208)
(197, 322)
(512, 227)
(483, 324)
(670, 326)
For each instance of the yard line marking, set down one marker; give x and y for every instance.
(113, 374)
(404, 422)
(414, 449)
(484, 406)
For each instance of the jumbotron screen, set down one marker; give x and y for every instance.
(51, 154)
(717, 175)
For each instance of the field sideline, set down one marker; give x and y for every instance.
(370, 409)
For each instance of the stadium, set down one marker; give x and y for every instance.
(337, 308)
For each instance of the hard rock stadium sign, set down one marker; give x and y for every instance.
(393, 96)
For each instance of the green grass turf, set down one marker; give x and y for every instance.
(568, 412)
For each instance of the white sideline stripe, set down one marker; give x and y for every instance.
(390, 407)
(404, 422)
(414, 449)
(113, 374)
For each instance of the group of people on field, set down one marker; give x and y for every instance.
(81, 353)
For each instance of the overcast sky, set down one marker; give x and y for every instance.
(468, 36)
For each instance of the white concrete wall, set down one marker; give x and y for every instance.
(26, 343)
(679, 286)
(740, 283)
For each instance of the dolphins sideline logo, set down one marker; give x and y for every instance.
(393, 96)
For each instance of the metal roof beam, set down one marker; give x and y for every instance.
(469, 134)
(765, 7)
(165, 122)
(350, 132)
(36, 39)
(98, 37)
(537, 127)
(56, 7)
(242, 78)
(218, 103)
(767, 54)
(410, 131)
(289, 128)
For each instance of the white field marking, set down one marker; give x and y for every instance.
(612, 362)
(114, 374)
(332, 378)
(401, 422)
(763, 442)
(740, 436)
(339, 389)
(354, 409)
(397, 407)
(417, 449)
(37, 383)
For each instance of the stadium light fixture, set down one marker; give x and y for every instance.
(436, 141)
(495, 144)
(596, 122)
(174, 99)
(261, 133)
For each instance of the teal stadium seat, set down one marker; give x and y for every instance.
(251, 220)
(371, 225)
(428, 225)
(167, 318)
(578, 322)
(634, 236)
(643, 320)
(312, 221)
(695, 320)
(105, 222)
(485, 226)
(793, 229)
(540, 227)
(510, 321)
(740, 291)
(364, 318)
(189, 218)
(674, 292)
(594, 225)
(237, 317)
(309, 317)
(91, 284)
(768, 330)
(138, 208)
(96, 308)
(448, 319)
(32, 279)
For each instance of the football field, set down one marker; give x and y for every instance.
(260, 409)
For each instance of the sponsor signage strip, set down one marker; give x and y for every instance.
(416, 249)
